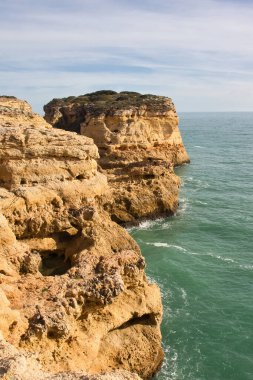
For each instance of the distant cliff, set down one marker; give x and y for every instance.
(139, 143)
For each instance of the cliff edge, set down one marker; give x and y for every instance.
(73, 288)
(139, 143)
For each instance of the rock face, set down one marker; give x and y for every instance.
(72, 282)
(22, 366)
(139, 143)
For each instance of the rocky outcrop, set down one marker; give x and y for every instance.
(15, 112)
(16, 365)
(72, 282)
(139, 144)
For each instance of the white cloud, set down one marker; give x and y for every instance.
(193, 51)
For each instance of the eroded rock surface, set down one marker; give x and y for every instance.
(72, 282)
(16, 112)
(17, 365)
(139, 144)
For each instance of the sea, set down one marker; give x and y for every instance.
(202, 257)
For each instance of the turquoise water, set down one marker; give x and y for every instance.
(202, 258)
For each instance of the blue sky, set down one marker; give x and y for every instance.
(199, 52)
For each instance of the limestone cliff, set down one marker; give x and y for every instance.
(17, 365)
(16, 112)
(72, 282)
(139, 143)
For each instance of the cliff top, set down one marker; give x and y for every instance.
(12, 104)
(16, 112)
(107, 101)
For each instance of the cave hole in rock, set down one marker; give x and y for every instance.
(80, 176)
(54, 263)
(148, 176)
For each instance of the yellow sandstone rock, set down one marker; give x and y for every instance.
(73, 288)
(15, 112)
(139, 144)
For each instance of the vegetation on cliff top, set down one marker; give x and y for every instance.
(106, 101)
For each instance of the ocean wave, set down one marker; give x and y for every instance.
(152, 280)
(165, 225)
(199, 146)
(166, 245)
(214, 256)
(201, 202)
(183, 206)
(246, 266)
(218, 257)
(184, 296)
(154, 224)
(208, 254)
(196, 183)
(147, 224)
(169, 369)
(186, 178)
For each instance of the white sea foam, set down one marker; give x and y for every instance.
(184, 294)
(165, 225)
(222, 258)
(187, 178)
(166, 245)
(201, 185)
(246, 266)
(214, 256)
(148, 224)
(201, 203)
(198, 183)
(169, 370)
(145, 225)
(155, 224)
(227, 259)
(199, 146)
(183, 206)
(151, 280)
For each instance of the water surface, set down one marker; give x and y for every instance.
(202, 258)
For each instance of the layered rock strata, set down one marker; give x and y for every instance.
(139, 144)
(72, 284)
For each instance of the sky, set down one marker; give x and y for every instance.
(198, 52)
